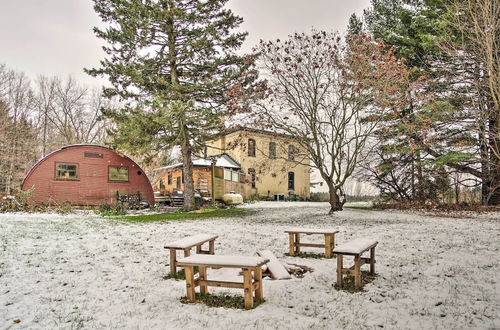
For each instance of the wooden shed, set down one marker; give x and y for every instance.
(83, 174)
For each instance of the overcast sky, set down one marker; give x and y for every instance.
(54, 37)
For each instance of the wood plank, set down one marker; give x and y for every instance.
(187, 252)
(372, 260)
(340, 266)
(173, 261)
(357, 272)
(247, 282)
(297, 243)
(222, 284)
(258, 282)
(292, 244)
(201, 280)
(328, 245)
(211, 246)
(310, 245)
(189, 272)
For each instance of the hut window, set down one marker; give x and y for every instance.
(291, 152)
(272, 150)
(66, 171)
(251, 147)
(251, 171)
(291, 181)
(118, 173)
(169, 179)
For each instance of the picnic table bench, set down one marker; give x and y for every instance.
(295, 244)
(185, 244)
(252, 275)
(355, 248)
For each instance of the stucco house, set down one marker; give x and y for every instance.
(271, 159)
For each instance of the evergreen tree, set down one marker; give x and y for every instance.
(173, 63)
(439, 129)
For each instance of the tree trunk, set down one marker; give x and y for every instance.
(189, 202)
(335, 203)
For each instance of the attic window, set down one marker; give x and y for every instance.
(93, 154)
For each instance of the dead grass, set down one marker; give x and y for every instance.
(348, 282)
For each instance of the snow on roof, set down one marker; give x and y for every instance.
(222, 160)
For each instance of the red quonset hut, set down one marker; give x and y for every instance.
(84, 174)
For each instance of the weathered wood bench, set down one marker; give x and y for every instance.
(185, 244)
(295, 244)
(252, 275)
(355, 248)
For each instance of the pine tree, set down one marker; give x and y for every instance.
(173, 63)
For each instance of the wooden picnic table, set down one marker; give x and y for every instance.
(252, 275)
(186, 244)
(355, 248)
(295, 244)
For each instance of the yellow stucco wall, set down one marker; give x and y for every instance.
(271, 174)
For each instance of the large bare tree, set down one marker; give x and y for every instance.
(329, 93)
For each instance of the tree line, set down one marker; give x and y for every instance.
(37, 117)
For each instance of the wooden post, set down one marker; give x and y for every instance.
(187, 252)
(211, 247)
(203, 277)
(297, 241)
(292, 244)
(258, 278)
(357, 272)
(189, 272)
(340, 265)
(328, 245)
(372, 260)
(247, 286)
(198, 249)
(173, 261)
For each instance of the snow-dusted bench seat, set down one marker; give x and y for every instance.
(295, 244)
(355, 248)
(185, 244)
(252, 274)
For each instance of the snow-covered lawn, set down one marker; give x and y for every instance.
(83, 271)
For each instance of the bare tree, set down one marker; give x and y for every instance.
(329, 93)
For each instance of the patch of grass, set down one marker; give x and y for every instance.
(309, 255)
(226, 301)
(180, 274)
(199, 214)
(359, 207)
(348, 282)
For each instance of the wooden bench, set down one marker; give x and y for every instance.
(185, 244)
(355, 248)
(252, 275)
(294, 238)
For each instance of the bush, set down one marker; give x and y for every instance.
(19, 202)
(107, 209)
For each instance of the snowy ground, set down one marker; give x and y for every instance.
(83, 271)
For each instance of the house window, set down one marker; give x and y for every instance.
(162, 184)
(291, 152)
(272, 150)
(227, 175)
(118, 173)
(251, 171)
(251, 147)
(169, 179)
(291, 181)
(66, 171)
(235, 176)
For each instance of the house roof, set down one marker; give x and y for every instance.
(222, 160)
(240, 128)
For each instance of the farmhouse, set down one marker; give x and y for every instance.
(85, 174)
(273, 161)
